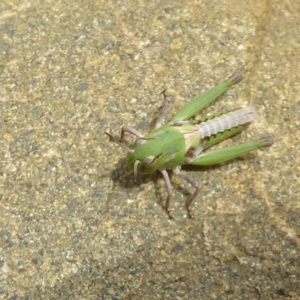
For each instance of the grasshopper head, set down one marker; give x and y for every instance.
(146, 157)
(164, 148)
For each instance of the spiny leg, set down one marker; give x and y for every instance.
(224, 154)
(117, 141)
(200, 102)
(169, 191)
(120, 140)
(194, 183)
(130, 130)
(163, 110)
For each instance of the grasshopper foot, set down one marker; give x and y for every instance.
(189, 213)
(111, 138)
(167, 207)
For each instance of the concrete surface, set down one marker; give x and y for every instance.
(73, 223)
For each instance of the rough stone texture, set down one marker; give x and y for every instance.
(73, 223)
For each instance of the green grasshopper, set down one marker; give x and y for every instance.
(183, 140)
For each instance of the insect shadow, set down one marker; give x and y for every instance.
(123, 177)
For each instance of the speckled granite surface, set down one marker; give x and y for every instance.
(73, 224)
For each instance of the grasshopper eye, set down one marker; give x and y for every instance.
(149, 161)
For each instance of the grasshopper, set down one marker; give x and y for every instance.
(183, 140)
